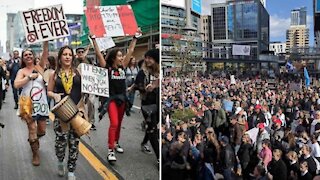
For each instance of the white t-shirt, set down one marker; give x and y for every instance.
(315, 150)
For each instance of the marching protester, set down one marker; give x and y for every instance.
(13, 67)
(81, 57)
(116, 104)
(66, 81)
(33, 103)
(131, 74)
(3, 81)
(147, 82)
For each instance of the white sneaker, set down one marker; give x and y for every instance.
(61, 169)
(119, 149)
(111, 155)
(71, 176)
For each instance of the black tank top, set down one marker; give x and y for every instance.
(75, 93)
(117, 81)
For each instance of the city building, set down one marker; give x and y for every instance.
(297, 37)
(299, 16)
(181, 22)
(206, 35)
(298, 34)
(316, 21)
(240, 22)
(277, 47)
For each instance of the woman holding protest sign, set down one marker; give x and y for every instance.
(34, 97)
(116, 103)
(66, 81)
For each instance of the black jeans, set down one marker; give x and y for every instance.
(15, 93)
(152, 132)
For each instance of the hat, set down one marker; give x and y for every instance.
(261, 125)
(153, 53)
(238, 109)
(79, 48)
(258, 106)
(224, 139)
(277, 121)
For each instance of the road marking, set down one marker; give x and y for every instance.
(96, 163)
(137, 107)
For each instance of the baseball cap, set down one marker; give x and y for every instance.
(238, 109)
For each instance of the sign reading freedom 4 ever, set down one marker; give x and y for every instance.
(44, 24)
(94, 80)
(111, 21)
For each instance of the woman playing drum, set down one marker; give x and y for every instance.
(116, 103)
(31, 81)
(66, 80)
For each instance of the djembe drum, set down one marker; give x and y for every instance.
(68, 112)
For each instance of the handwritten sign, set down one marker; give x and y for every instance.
(44, 24)
(111, 21)
(94, 80)
(105, 43)
(227, 105)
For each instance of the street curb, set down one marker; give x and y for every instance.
(116, 173)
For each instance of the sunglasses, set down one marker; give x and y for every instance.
(80, 52)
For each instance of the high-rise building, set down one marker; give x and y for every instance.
(316, 21)
(240, 22)
(297, 37)
(299, 16)
(175, 22)
(206, 35)
(298, 33)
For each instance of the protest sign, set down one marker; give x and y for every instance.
(94, 80)
(111, 21)
(253, 133)
(44, 24)
(232, 79)
(105, 43)
(227, 105)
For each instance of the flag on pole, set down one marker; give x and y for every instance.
(306, 76)
(290, 67)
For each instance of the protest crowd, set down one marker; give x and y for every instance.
(65, 85)
(240, 127)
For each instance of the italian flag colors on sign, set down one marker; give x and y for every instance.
(111, 21)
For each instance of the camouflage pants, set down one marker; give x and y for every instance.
(62, 138)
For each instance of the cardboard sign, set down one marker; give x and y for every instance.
(232, 79)
(105, 43)
(111, 21)
(94, 80)
(44, 24)
(227, 105)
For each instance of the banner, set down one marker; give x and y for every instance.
(44, 24)
(94, 80)
(242, 50)
(111, 21)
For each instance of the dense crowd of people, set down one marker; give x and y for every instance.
(252, 127)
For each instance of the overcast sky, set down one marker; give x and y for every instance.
(13, 6)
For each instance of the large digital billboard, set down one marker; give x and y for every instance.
(317, 6)
(196, 6)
